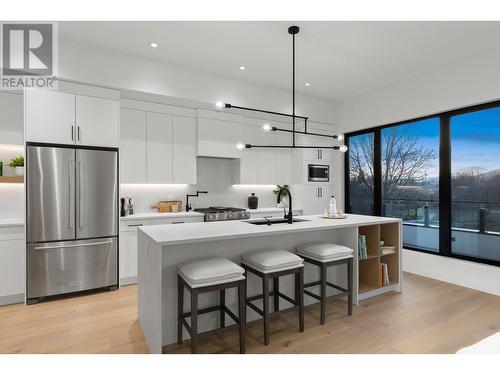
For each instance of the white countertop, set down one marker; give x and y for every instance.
(212, 231)
(163, 215)
(269, 209)
(11, 222)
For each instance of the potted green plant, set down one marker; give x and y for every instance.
(18, 164)
(281, 192)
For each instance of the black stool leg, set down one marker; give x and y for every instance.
(323, 292)
(265, 292)
(180, 308)
(194, 321)
(222, 304)
(349, 286)
(299, 287)
(276, 289)
(242, 307)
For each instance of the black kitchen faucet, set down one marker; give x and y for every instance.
(198, 192)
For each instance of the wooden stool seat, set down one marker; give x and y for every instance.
(204, 276)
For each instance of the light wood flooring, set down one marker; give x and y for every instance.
(430, 316)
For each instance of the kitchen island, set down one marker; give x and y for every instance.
(162, 248)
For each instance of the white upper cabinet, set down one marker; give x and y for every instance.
(267, 159)
(133, 146)
(218, 134)
(157, 143)
(49, 116)
(97, 121)
(184, 150)
(246, 169)
(67, 118)
(11, 121)
(159, 148)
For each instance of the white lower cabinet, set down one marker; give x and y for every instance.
(12, 265)
(128, 243)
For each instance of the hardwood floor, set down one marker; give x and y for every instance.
(428, 317)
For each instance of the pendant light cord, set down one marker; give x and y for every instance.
(293, 89)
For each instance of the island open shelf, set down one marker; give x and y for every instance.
(370, 269)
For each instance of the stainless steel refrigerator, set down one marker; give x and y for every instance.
(72, 220)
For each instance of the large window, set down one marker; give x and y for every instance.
(439, 174)
(410, 180)
(475, 184)
(361, 179)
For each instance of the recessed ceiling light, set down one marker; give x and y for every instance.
(153, 45)
(242, 68)
(307, 84)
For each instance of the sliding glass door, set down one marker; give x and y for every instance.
(475, 184)
(410, 180)
(440, 174)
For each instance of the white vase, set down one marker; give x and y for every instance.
(19, 171)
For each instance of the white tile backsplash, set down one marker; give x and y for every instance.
(214, 176)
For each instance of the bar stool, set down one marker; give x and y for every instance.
(325, 255)
(208, 275)
(272, 265)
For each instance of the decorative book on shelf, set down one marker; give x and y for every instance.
(362, 252)
(384, 275)
(386, 250)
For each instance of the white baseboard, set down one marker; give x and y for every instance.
(10, 300)
(128, 281)
(472, 275)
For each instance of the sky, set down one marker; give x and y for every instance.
(475, 140)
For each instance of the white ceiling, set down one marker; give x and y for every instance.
(339, 59)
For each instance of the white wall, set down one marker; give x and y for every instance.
(93, 65)
(461, 272)
(464, 83)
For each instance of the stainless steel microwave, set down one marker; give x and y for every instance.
(318, 173)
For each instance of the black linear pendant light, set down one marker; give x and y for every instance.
(292, 30)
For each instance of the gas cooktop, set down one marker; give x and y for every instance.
(219, 213)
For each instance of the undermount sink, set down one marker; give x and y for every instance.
(272, 221)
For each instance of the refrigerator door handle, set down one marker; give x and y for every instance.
(80, 193)
(70, 193)
(73, 245)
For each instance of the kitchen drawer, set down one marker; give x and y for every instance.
(132, 225)
(180, 220)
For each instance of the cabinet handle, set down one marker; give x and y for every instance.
(78, 133)
(321, 154)
(177, 222)
(321, 192)
(135, 225)
(72, 133)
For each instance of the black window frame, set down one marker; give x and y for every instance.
(445, 248)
